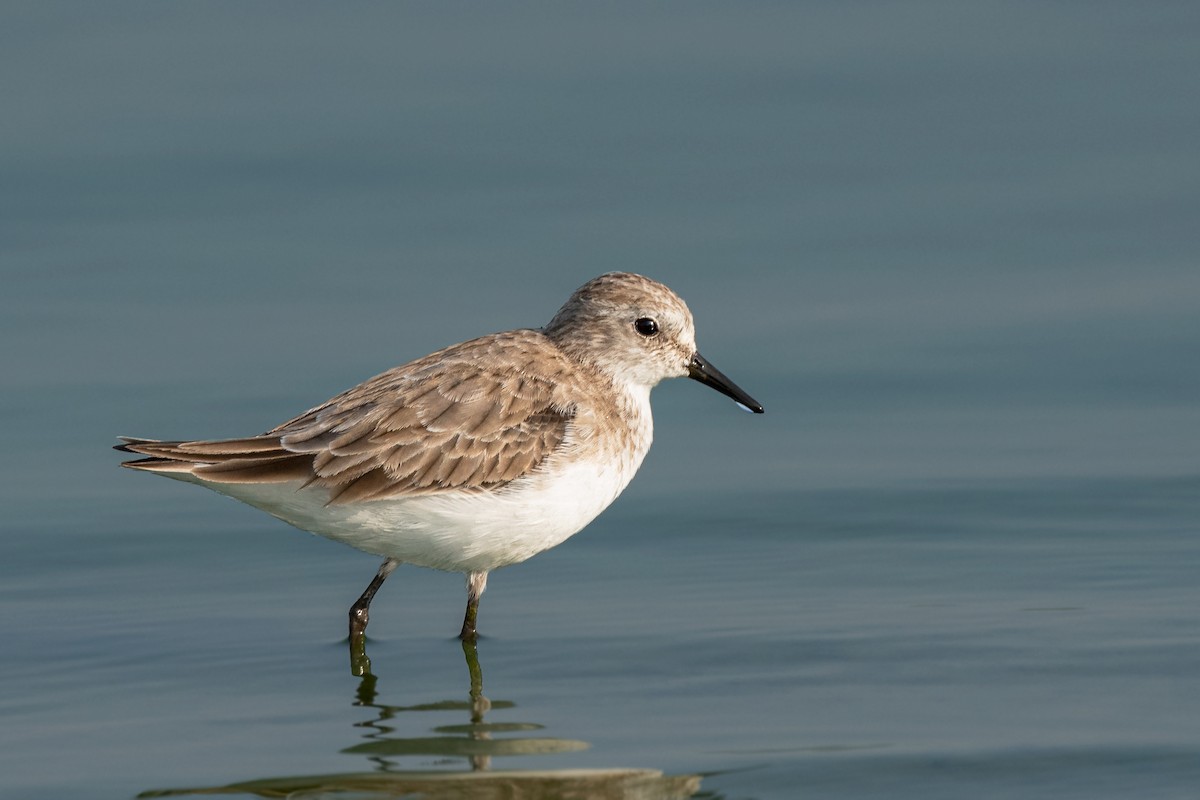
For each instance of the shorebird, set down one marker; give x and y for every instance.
(477, 456)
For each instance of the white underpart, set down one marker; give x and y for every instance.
(467, 531)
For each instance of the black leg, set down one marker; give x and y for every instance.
(476, 583)
(360, 611)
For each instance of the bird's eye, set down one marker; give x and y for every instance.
(646, 326)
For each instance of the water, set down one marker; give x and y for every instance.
(950, 246)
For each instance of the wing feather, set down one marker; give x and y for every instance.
(474, 416)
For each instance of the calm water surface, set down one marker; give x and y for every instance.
(950, 246)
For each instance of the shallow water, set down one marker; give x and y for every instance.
(951, 248)
(983, 640)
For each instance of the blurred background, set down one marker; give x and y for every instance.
(951, 247)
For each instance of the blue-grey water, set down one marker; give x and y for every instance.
(953, 247)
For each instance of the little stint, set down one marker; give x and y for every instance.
(474, 457)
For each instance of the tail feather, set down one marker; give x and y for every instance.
(257, 459)
(161, 465)
(258, 470)
(128, 442)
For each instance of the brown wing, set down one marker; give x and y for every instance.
(474, 416)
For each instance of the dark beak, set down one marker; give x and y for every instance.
(706, 373)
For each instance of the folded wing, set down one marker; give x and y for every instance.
(469, 417)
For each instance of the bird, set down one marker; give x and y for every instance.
(475, 457)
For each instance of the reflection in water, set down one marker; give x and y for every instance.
(476, 742)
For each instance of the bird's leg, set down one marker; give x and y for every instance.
(360, 611)
(476, 583)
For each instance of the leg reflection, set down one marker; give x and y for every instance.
(479, 704)
(474, 739)
(420, 750)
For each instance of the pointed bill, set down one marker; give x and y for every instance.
(706, 373)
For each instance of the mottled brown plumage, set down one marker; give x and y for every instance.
(431, 425)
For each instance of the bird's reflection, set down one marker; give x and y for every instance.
(464, 752)
(477, 741)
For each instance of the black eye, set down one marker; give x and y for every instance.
(646, 326)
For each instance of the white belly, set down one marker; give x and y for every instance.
(458, 532)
